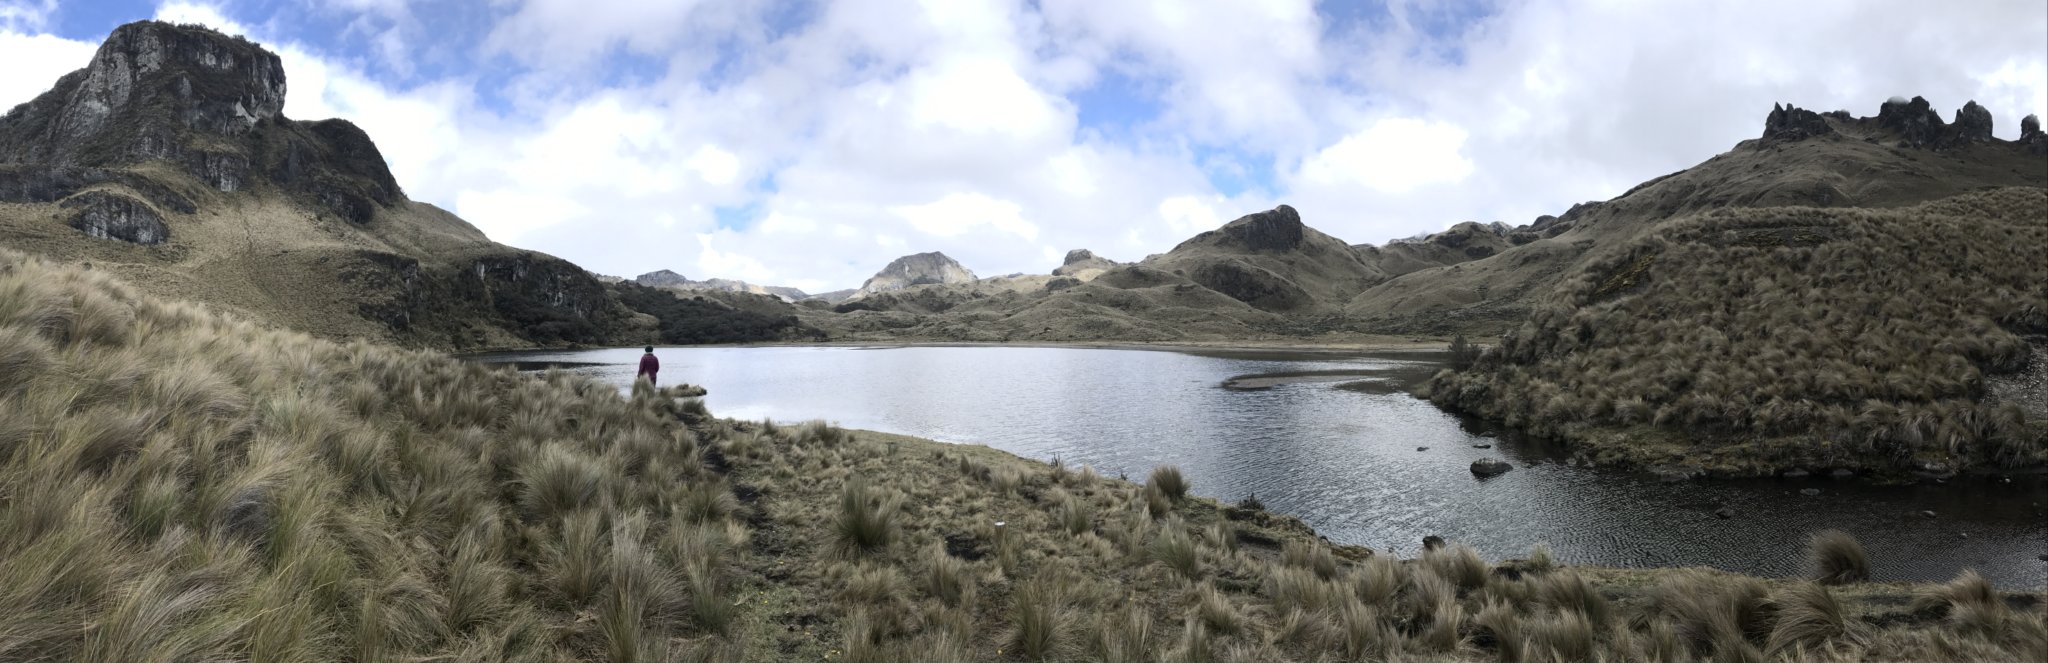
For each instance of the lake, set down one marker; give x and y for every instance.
(1335, 440)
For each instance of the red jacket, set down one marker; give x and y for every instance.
(649, 366)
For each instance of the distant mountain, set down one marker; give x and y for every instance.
(668, 279)
(1273, 262)
(913, 270)
(168, 161)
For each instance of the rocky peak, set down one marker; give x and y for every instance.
(209, 104)
(1790, 123)
(913, 270)
(152, 72)
(1078, 255)
(660, 278)
(1278, 229)
(2030, 126)
(1084, 264)
(1973, 123)
(1915, 121)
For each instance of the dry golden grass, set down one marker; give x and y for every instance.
(179, 485)
(1761, 339)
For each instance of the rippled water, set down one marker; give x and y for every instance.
(1339, 448)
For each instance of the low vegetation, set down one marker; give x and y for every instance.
(180, 485)
(1753, 340)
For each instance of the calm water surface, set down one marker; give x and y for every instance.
(1346, 460)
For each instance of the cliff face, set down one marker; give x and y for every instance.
(915, 269)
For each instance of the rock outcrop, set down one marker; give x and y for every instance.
(659, 278)
(1084, 265)
(913, 270)
(1791, 123)
(1913, 120)
(2031, 135)
(115, 216)
(1973, 123)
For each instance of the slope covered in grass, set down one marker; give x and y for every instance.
(1753, 340)
(176, 485)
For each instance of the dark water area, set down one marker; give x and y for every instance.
(1333, 439)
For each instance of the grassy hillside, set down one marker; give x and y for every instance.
(179, 485)
(1754, 340)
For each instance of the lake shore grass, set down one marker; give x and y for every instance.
(177, 484)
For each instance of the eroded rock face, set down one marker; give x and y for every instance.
(1790, 123)
(114, 216)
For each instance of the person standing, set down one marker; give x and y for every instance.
(649, 365)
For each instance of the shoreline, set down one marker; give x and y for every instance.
(1626, 578)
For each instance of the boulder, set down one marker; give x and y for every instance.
(1490, 467)
(1432, 542)
(1809, 492)
(1841, 473)
(1796, 473)
(1724, 513)
(1677, 473)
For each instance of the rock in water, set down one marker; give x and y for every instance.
(1724, 513)
(1490, 467)
(1809, 492)
(1432, 542)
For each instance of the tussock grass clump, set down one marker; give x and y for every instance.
(866, 521)
(1808, 619)
(1459, 564)
(1969, 602)
(1173, 548)
(1837, 558)
(1169, 481)
(1042, 621)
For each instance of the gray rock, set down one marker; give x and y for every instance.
(1796, 473)
(1490, 467)
(1841, 473)
(1809, 492)
(1482, 446)
(2029, 126)
(1927, 514)
(114, 216)
(1432, 542)
(1724, 513)
(1422, 448)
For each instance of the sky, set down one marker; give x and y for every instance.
(808, 143)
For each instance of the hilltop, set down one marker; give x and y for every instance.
(168, 159)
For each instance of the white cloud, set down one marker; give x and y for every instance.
(1393, 155)
(957, 213)
(715, 165)
(35, 62)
